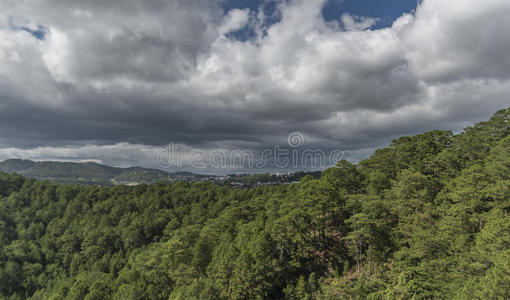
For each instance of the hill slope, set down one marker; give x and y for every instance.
(91, 173)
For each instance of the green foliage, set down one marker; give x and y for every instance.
(426, 218)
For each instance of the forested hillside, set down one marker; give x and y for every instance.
(427, 217)
(92, 173)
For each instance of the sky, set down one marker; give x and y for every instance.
(126, 82)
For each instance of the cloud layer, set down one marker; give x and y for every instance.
(142, 74)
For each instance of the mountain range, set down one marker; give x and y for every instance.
(91, 173)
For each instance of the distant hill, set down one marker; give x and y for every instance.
(93, 173)
(16, 165)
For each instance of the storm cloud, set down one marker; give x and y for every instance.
(115, 81)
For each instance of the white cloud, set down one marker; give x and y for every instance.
(356, 22)
(235, 19)
(57, 56)
(459, 39)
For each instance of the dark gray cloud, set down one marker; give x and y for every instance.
(115, 81)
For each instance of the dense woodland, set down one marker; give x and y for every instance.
(427, 217)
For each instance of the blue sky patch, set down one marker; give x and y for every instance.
(21, 24)
(385, 11)
(271, 15)
(38, 33)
